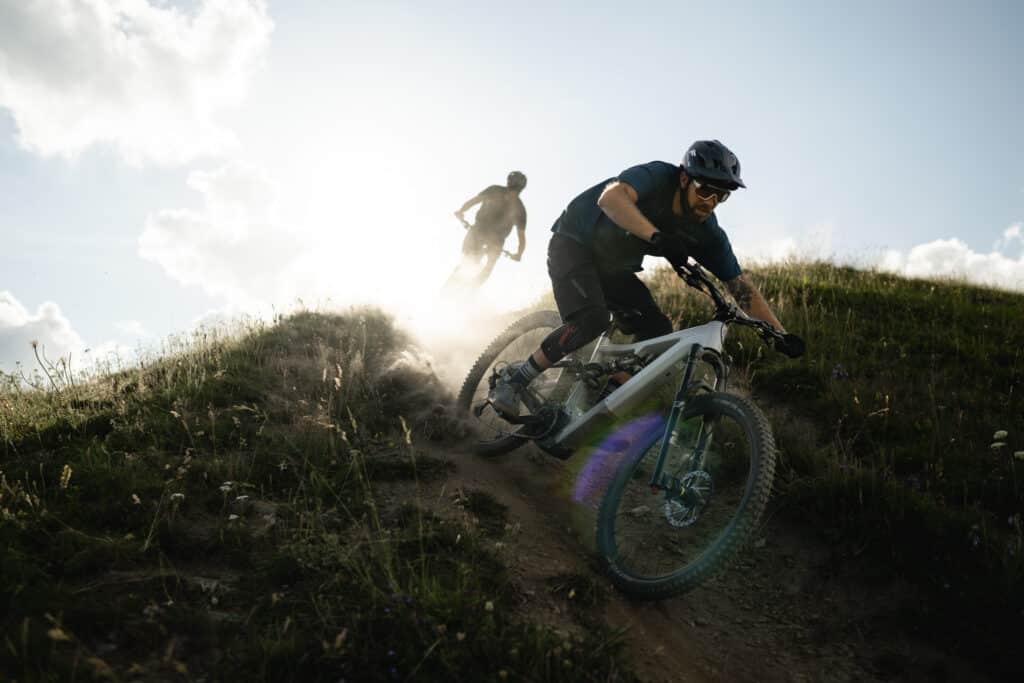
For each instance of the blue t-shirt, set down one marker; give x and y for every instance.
(615, 249)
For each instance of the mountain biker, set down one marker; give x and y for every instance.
(500, 209)
(599, 243)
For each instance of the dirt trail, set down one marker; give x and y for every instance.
(779, 614)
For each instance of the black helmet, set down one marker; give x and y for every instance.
(712, 162)
(516, 180)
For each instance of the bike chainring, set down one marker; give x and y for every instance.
(684, 510)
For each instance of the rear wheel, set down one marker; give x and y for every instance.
(720, 463)
(495, 435)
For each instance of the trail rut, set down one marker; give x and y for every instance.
(783, 612)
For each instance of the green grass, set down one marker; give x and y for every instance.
(886, 430)
(217, 513)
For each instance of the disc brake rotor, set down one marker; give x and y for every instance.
(698, 487)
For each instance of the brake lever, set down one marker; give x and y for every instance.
(689, 277)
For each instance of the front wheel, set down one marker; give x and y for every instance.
(496, 436)
(716, 480)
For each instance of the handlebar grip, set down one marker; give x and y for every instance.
(790, 345)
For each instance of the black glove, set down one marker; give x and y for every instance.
(670, 245)
(790, 345)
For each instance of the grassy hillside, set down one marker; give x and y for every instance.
(237, 512)
(902, 437)
(245, 509)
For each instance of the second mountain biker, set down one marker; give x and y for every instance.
(500, 210)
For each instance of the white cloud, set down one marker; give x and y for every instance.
(149, 79)
(255, 252)
(47, 326)
(1013, 234)
(235, 248)
(772, 242)
(952, 258)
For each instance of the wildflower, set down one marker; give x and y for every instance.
(177, 497)
(282, 465)
(406, 430)
(489, 606)
(135, 500)
(57, 633)
(998, 445)
(572, 593)
(65, 476)
(460, 636)
(1000, 435)
(241, 498)
(340, 639)
(1019, 455)
(226, 486)
(232, 518)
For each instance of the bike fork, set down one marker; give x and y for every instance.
(657, 482)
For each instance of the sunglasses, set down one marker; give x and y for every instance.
(707, 192)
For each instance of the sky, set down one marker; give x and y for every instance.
(166, 164)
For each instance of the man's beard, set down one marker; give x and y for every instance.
(689, 215)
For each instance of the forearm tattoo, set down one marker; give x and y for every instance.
(742, 291)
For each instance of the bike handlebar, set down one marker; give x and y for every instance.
(728, 312)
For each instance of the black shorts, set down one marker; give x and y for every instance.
(578, 283)
(480, 241)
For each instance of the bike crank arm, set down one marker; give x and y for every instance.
(527, 419)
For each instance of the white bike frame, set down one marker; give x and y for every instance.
(703, 342)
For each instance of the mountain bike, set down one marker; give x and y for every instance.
(679, 470)
(470, 271)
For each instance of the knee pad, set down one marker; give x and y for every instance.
(579, 328)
